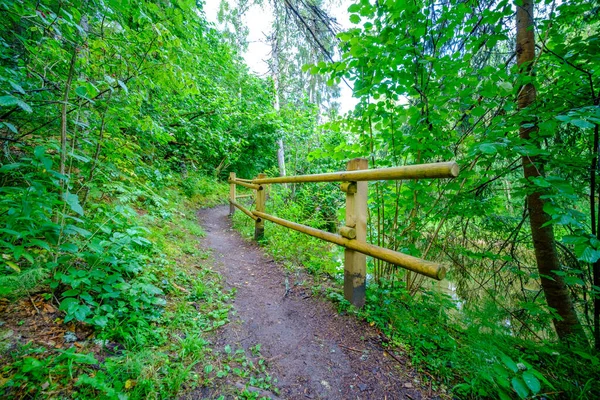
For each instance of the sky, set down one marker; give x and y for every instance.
(259, 20)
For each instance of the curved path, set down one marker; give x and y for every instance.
(314, 352)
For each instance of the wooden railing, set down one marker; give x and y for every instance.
(353, 235)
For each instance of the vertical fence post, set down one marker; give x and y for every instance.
(231, 192)
(259, 225)
(355, 263)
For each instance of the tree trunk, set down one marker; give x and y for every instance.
(281, 157)
(276, 71)
(556, 291)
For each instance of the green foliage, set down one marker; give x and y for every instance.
(438, 82)
(33, 371)
(102, 107)
(292, 246)
(460, 346)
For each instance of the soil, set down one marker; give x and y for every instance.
(312, 350)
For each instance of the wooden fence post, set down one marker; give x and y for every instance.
(355, 263)
(231, 192)
(259, 224)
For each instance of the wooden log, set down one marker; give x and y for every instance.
(259, 224)
(347, 232)
(355, 263)
(244, 210)
(348, 187)
(243, 196)
(231, 192)
(423, 267)
(246, 184)
(420, 171)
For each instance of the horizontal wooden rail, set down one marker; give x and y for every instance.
(245, 210)
(353, 235)
(421, 171)
(246, 184)
(427, 268)
(242, 196)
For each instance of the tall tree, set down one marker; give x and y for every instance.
(557, 294)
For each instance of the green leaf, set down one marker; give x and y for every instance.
(354, 8)
(510, 364)
(507, 86)
(17, 87)
(24, 106)
(100, 320)
(69, 247)
(572, 239)
(10, 127)
(502, 395)
(39, 151)
(11, 166)
(39, 243)
(73, 201)
(519, 387)
(573, 280)
(487, 148)
(540, 182)
(81, 91)
(355, 18)
(208, 369)
(589, 255)
(123, 86)
(532, 382)
(82, 312)
(13, 266)
(67, 303)
(583, 124)
(8, 101)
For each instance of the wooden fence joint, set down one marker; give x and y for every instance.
(261, 197)
(348, 232)
(348, 187)
(231, 193)
(355, 263)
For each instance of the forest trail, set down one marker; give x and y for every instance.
(314, 352)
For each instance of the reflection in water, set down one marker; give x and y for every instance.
(448, 287)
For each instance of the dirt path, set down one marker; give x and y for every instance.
(312, 351)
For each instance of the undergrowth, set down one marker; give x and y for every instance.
(460, 351)
(148, 298)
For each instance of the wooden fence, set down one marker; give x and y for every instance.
(353, 235)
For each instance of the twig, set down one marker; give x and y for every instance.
(277, 357)
(33, 304)
(393, 356)
(350, 348)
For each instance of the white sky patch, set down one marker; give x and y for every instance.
(259, 21)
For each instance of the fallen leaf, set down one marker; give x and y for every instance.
(129, 383)
(48, 308)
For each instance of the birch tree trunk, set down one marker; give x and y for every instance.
(280, 146)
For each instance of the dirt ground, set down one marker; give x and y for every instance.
(314, 352)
